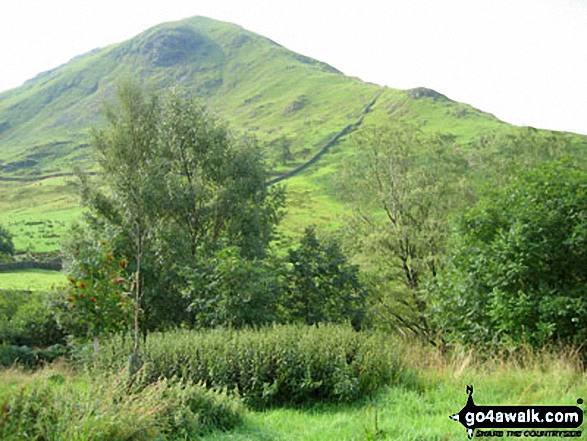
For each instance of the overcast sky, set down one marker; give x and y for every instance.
(523, 60)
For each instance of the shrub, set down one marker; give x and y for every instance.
(321, 285)
(289, 364)
(6, 243)
(518, 264)
(28, 319)
(111, 409)
(29, 357)
(98, 295)
(195, 410)
(230, 290)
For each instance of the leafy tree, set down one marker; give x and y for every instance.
(229, 290)
(282, 147)
(519, 263)
(176, 188)
(216, 193)
(6, 244)
(131, 195)
(403, 185)
(321, 285)
(98, 294)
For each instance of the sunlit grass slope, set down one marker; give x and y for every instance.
(254, 83)
(31, 280)
(293, 104)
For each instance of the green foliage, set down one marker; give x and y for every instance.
(195, 410)
(29, 357)
(271, 366)
(313, 284)
(227, 289)
(6, 244)
(28, 319)
(403, 185)
(214, 184)
(111, 409)
(98, 294)
(320, 285)
(519, 261)
(179, 188)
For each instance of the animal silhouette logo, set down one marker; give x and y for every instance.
(474, 417)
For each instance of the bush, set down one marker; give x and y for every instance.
(195, 410)
(518, 264)
(230, 290)
(320, 285)
(116, 410)
(6, 243)
(29, 357)
(290, 364)
(28, 319)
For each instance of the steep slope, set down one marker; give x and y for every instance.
(301, 110)
(289, 101)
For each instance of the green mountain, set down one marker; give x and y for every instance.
(300, 109)
(254, 83)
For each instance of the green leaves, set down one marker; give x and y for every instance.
(290, 364)
(321, 286)
(404, 186)
(98, 294)
(519, 260)
(176, 189)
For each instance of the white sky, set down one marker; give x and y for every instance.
(523, 60)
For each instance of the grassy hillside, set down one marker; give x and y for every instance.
(254, 83)
(293, 104)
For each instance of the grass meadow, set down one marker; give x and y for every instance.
(30, 280)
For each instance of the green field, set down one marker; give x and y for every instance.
(38, 213)
(30, 280)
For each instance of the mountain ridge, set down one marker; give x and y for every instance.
(205, 56)
(301, 110)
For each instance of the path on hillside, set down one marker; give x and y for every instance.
(348, 129)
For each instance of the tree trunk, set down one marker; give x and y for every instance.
(96, 344)
(135, 363)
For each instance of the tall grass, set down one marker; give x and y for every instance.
(413, 407)
(53, 406)
(432, 387)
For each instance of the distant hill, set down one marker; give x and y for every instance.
(296, 106)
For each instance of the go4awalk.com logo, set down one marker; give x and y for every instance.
(520, 421)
